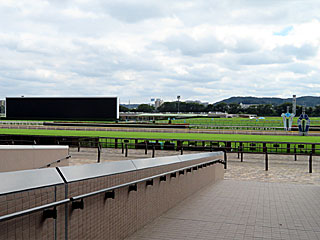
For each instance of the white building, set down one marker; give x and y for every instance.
(245, 106)
(158, 103)
(2, 106)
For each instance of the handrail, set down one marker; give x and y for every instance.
(245, 149)
(56, 161)
(32, 210)
(82, 196)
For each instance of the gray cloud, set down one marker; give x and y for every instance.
(299, 68)
(260, 58)
(136, 11)
(192, 47)
(198, 49)
(304, 52)
(245, 46)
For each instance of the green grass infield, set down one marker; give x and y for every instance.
(156, 135)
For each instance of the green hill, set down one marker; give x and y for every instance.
(308, 101)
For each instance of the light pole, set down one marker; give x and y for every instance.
(178, 97)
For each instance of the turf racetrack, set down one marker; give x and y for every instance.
(159, 135)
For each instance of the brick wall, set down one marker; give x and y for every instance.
(31, 226)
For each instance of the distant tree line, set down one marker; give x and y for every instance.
(141, 108)
(310, 101)
(267, 109)
(232, 108)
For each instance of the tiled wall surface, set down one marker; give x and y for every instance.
(104, 218)
(31, 226)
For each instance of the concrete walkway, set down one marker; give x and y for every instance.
(282, 169)
(233, 209)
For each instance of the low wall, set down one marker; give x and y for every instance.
(99, 216)
(22, 157)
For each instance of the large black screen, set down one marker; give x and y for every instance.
(73, 108)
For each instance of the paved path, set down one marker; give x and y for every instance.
(234, 209)
(282, 169)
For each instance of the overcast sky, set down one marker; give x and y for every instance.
(142, 49)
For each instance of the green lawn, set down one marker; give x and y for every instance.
(191, 136)
(267, 122)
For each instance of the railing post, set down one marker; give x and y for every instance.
(264, 148)
(310, 163)
(225, 159)
(126, 154)
(313, 148)
(288, 148)
(99, 152)
(116, 143)
(122, 148)
(267, 161)
(79, 146)
(146, 148)
(295, 151)
(178, 145)
(153, 150)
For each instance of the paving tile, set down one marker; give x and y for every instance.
(233, 209)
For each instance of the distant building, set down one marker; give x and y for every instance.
(158, 102)
(2, 106)
(245, 106)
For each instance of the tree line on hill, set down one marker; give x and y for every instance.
(309, 101)
(232, 108)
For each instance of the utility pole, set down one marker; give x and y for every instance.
(178, 97)
(294, 105)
